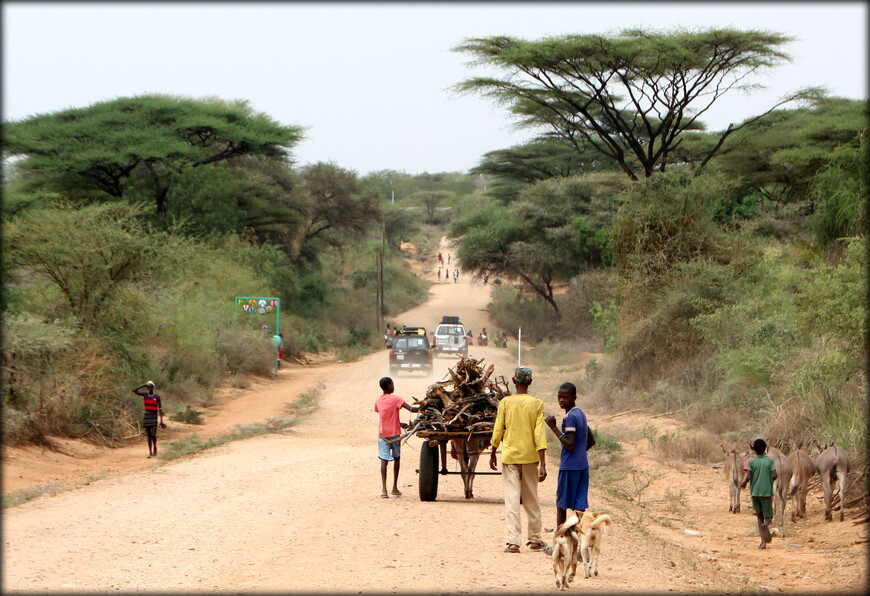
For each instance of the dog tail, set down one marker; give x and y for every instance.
(569, 525)
(602, 519)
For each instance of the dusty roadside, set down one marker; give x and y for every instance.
(300, 511)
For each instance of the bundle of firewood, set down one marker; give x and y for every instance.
(467, 402)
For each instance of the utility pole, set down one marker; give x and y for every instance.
(379, 297)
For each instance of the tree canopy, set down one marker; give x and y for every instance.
(555, 229)
(147, 139)
(628, 96)
(536, 160)
(777, 155)
(332, 207)
(88, 254)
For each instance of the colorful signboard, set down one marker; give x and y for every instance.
(261, 307)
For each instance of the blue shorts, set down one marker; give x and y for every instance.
(572, 490)
(388, 452)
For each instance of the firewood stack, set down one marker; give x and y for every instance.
(467, 402)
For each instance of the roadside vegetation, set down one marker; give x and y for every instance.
(723, 274)
(125, 247)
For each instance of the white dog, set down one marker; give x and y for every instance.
(565, 548)
(592, 528)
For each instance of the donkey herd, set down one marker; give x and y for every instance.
(794, 473)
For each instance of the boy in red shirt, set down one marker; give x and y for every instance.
(389, 427)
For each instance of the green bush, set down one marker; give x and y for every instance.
(512, 309)
(840, 190)
(666, 221)
(605, 442)
(834, 301)
(187, 416)
(244, 350)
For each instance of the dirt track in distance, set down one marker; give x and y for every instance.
(300, 511)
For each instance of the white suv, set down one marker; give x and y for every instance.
(450, 338)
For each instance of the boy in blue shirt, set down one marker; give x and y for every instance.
(572, 487)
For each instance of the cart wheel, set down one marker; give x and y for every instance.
(428, 480)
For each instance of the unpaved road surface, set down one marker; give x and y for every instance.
(300, 511)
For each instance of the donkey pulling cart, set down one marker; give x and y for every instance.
(461, 411)
(469, 447)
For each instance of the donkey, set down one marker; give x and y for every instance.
(803, 469)
(783, 479)
(733, 475)
(832, 464)
(467, 451)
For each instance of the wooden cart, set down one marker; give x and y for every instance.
(433, 448)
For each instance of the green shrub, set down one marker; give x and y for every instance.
(604, 317)
(188, 416)
(666, 221)
(840, 190)
(592, 370)
(352, 352)
(245, 350)
(605, 442)
(512, 309)
(834, 301)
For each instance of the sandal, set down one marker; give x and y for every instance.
(536, 545)
(512, 548)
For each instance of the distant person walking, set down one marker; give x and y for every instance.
(153, 409)
(455, 275)
(519, 429)
(390, 428)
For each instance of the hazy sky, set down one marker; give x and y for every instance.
(370, 81)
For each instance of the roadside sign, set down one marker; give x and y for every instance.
(263, 308)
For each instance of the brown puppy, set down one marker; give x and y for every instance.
(565, 546)
(592, 529)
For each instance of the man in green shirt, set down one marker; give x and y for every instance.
(761, 471)
(519, 429)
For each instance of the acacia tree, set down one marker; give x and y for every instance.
(777, 155)
(629, 96)
(88, 254)
(554, 230)
(143, 142)
(431, 200)
(539, 159)
(332, 208)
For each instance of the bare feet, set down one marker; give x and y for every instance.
(395, 492)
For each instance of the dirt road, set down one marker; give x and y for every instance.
(300, 511)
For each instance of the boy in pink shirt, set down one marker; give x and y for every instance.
(389, 427)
